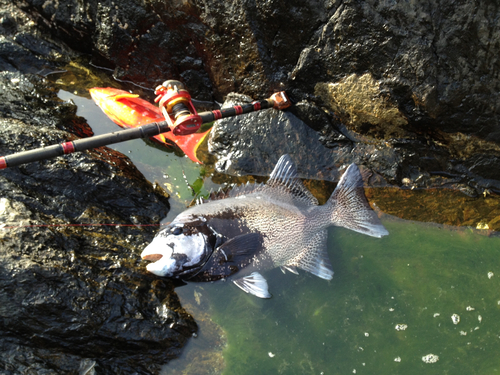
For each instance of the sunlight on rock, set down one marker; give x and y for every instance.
(359, 100)
(482, 225)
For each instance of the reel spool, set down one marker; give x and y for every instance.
(177, 107)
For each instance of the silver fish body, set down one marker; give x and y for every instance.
(261, 226)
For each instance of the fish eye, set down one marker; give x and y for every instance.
(176, 231)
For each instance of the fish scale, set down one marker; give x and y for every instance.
(256, 227)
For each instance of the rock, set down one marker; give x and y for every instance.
(435, 72)
(376, 73)
(441, 72)
(75, 299)
(252, 144)
(409, 91)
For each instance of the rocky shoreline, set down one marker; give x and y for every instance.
(409, 92)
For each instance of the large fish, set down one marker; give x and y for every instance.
(257, 227)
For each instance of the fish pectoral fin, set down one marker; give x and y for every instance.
(291, 269)
(241, 248)
(254, 284)
(314, 257)
(230, 257)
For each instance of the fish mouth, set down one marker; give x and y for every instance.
(152, 257)
(156, 250)
(159, 254)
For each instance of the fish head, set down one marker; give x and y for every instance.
(181, 249)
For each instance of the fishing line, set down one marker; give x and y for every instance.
(3, 226)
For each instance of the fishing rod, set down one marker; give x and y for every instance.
(181, 118)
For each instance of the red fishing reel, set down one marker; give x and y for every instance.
(176, 105)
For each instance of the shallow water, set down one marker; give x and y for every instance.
(389, 305)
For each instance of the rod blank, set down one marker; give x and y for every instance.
(278, 100)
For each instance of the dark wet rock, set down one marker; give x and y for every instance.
(411, 76)
(76, 293)
(432, 65)
(143, 42)
(436, 62)
(252, 144)
(75, 299)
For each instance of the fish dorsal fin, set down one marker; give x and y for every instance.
(219, 194)
(254, 284)
(283, 179)
(284, 176)
(213, 196)
(314, 257)
(245, 189)
(234, 191)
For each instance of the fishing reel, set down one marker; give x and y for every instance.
(177, 108)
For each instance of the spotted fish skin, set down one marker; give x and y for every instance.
(256, 227)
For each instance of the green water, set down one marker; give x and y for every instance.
(417, 277)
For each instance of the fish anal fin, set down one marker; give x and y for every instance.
(314, 258)
(254, 284)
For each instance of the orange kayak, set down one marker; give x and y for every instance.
(129, 111)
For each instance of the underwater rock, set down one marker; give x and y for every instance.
(74, 298)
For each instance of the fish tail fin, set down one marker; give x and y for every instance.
(350, 207)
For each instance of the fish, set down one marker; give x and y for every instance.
(252, 228)
(129, 111)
